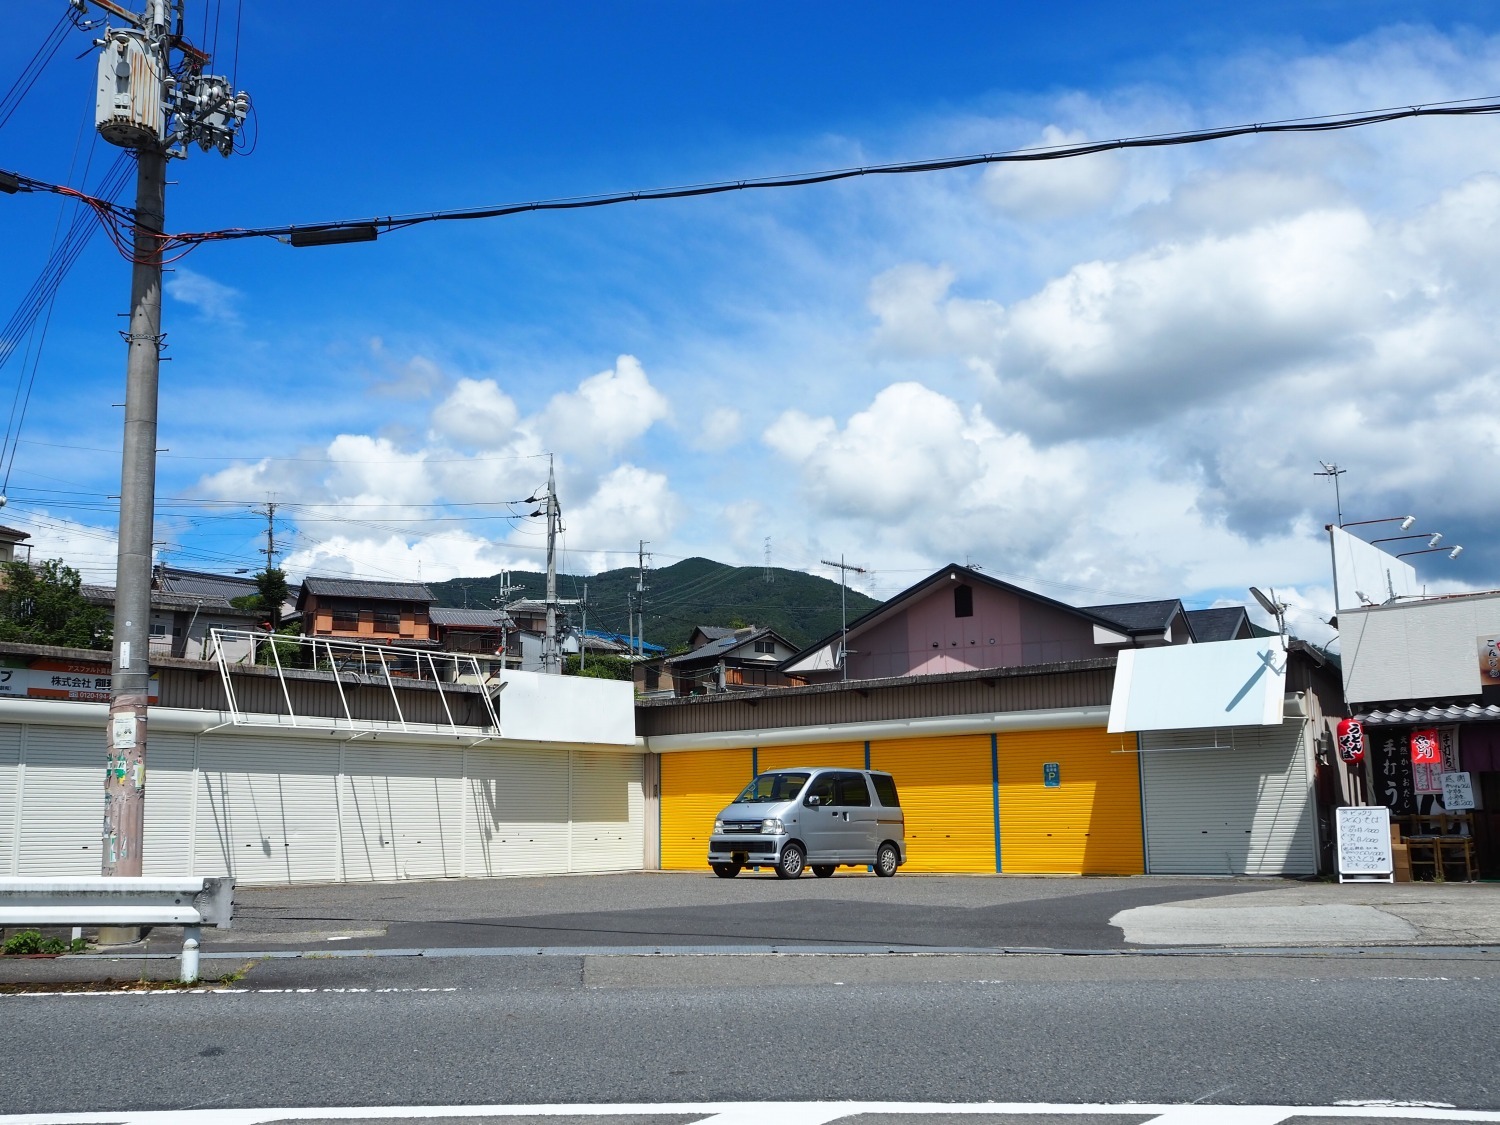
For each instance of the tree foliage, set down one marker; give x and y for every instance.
(270, 595)
(599, 667)
(43, 604)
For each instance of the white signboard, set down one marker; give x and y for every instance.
(1200, 687)
(1365, 845)
(1366, 575)
(1458, 791)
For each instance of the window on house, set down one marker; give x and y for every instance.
(158, 630)
(765, 646)
(387, 621)
(345, 618)
(963, 601)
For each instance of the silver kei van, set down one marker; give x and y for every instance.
(811, 816)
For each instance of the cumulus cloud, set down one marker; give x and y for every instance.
(477, 414)
(1054, 189)
(605, 414)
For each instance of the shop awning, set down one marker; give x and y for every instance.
(1442, 713)
(1200, 686)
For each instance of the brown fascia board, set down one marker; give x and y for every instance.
(865, 686)
(876, 614)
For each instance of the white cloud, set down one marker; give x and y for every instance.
(604, 415)
(719, 429)
(1054, 189)
(213, 299)
(477, 414)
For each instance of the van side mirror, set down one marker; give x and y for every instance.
(813, 801)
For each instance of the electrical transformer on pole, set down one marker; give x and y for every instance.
(155, 98)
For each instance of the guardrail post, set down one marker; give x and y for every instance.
(190, 938)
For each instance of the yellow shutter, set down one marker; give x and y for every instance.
(1088, 824)
(695, 786)
(948, 797)
(848, 755)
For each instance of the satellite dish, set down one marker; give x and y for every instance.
(1273, 607)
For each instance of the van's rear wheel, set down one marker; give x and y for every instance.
(726, 870)
(887, 859)
(793, 859)
(823, 870)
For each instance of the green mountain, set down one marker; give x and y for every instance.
(801, 607)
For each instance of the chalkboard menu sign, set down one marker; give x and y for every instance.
(1390, 759)
(1365, 845)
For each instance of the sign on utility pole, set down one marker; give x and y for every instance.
(155, 98)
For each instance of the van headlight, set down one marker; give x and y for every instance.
(772, 827)
(718, 825)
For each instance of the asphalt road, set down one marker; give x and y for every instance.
(693, 909)
(501, 1030)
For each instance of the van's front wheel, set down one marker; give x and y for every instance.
(793, 860)
(887, 859)
(726, 870)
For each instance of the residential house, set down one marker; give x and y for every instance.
(10, 540)
(388, 613)
(182, 624)
(733, 660)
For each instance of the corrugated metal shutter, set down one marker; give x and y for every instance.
(10, 796)
(695, 785)
(516, 821)
(948, 797)
(849, 755)
(169, 804)
(267, 809)
(401, 811)
(62, 802)
(1089, 824)
(608, 810)
(1245, 809)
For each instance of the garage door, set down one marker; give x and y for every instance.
(948, 796)
(267, 809)
(850, 755)
(1070, 803)
(401, 811)
(517, 814)
(62, 801)
(169, 804)
(695, 785)
(1243, 808)
(608, 812)
(10, 799)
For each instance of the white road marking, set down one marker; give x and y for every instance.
(211, 992)
(783, 1113)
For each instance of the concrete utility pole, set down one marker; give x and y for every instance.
(269, 550)
(844, 569)
(551, 653)
(640, 597)
(155, 107)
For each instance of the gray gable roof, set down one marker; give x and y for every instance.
(1139, 617)
(724, 646)
(210, 604)
(471, 618)
(1223, 623)
(715, 632)
(359, 588)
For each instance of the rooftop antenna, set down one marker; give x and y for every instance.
(1275, 608)
(844, 569)
(1331, 469)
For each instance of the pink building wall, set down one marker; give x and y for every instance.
(1006, 631)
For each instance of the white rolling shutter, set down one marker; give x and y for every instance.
(517, 815)
(608, 809)
(62, 802)
(401, 811)
(169, 804)
(1245, 808)
(10, 795)
(267, 809)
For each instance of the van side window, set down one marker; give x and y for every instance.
(853, 792)
(885, 789)
(821, 788)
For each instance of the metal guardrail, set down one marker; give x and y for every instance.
(98, 901)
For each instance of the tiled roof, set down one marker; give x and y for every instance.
(13, 533)
(205, 603)
(471, 618)
(360, 588)
(713, 650)
(716, 632)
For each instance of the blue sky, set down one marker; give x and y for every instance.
(1111, 378)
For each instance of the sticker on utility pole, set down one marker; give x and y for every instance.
(1052, 775)
(122, 732)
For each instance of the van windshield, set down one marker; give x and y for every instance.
(770, 787)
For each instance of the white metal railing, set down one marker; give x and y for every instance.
(352, 662)
(191, 903)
